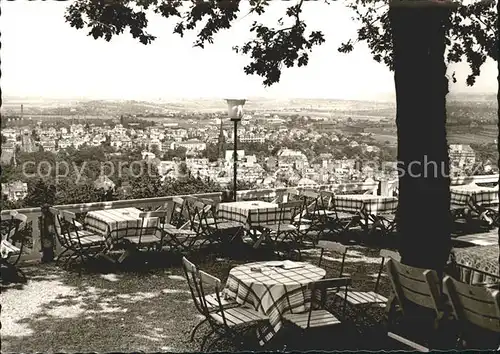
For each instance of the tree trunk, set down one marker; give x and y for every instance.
(424, 221)
(498, 106)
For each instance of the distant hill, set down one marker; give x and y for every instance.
(36, 105)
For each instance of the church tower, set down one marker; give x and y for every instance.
(222, 141)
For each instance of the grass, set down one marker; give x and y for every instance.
(150, 308)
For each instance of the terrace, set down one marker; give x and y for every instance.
(148, 306)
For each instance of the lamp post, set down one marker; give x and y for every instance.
(235, 112)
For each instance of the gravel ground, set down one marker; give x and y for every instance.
(150, 309)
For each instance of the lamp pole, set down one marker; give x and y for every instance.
(235, 112)
(235, 157)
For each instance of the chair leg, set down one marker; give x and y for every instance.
(211, 345)
(22, 276)
(193, 332)
(60, 256)
(212, 331)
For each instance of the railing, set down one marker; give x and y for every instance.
(483, 179)
(280, 193)
(34, 215)
(34, 222)
(392, 186)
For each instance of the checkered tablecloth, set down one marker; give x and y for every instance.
(273, 291)
(251, 213)
(118, 223)
(483, 258)
(471, 195)
(369, 204)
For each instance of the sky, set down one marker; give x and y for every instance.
(42, 56)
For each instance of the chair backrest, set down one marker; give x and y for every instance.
(191, 273)
(160, 214)
(474, 304)
(290, 210)
(332, 247)
(64, 223)
(319, 292)
(148, 227)
(198, 212)
(176, 216)
(16, 234)
(415, 285)
(17, 222)
(208, 201)
(208, 281)
(385, 254)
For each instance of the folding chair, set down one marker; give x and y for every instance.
(73, 238)
(372, 298)
(192, 277)
(176, 219)
(284, 235)
(199, 225)
(311, 215)
(338, 222)
(415, 286)
(333, 247)
(221, 228)
(474, 306)
(231, 322)
(12, 245)
(149, 237)
(317, 316)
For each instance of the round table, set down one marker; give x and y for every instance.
(272, 290)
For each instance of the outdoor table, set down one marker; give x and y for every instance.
(274, 289)
(367, 206)
(472, 197)
(252, 214)
(114, 224)
(482, 258)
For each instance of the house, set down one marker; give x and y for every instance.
(462, 158)
(291, 158)
(192, 146)
(48, 145)
(15, 191)
(8, 152)
(155, 143)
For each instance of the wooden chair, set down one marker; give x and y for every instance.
(176, 217)
(335, 221)
(225, 230)
(372, 298)
(205, 235)
(311, 215)
(13, 244)
(192, 277)
(285, 235)
(415, 286)
(146, 236)
(477, 306)
(77, 243)
(317, 316)
(333, 247)
(232, 322)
